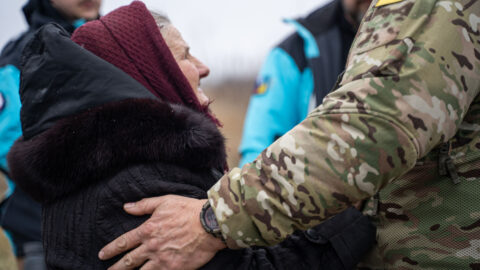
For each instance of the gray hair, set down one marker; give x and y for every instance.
(161, 20)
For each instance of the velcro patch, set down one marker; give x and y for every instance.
(261, 86)
(386, 2)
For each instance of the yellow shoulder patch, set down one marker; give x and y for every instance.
(386, 2)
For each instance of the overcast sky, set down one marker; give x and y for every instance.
(231, 37)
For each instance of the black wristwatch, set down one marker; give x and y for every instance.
(209, 221)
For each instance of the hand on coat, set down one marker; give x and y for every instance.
(172, 238)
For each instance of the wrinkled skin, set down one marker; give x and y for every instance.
(193, 69)
(155, 250)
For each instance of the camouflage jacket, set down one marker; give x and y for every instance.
(411, 85)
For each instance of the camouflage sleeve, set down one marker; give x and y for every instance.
(411, 76)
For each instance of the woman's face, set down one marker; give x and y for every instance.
(192, 68)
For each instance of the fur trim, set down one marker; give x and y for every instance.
(99, 142)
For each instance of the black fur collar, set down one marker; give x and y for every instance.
(95, 144)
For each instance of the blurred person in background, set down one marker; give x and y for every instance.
(20, 216)
(299, 72)
(135, 124)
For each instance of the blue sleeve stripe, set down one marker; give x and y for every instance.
(311, 47)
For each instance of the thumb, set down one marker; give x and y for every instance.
(143, 207)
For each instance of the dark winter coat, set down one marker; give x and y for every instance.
(96, 139)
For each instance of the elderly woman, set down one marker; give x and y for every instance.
(121, 117)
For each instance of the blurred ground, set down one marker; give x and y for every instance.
(7, 259)
(230, 104)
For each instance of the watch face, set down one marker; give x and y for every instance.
(210, 219)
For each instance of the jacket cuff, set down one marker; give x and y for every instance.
(237, 227)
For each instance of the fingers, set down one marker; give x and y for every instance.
(172, 238)
(132, 260)
(150, 265)
(145, 206)
(123, 243)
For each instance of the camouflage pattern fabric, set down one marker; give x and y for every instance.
(411, 84)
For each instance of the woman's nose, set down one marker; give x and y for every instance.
(203, 70)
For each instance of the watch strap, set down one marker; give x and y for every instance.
(209, 221)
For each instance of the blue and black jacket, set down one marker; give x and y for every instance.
(19, 214)
(295, 77)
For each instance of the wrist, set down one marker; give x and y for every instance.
(209, 222)
(216, 244)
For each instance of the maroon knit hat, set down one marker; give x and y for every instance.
(129, 38)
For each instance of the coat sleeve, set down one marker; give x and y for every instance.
(411, 76)
(272, 110)
(10, 128)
